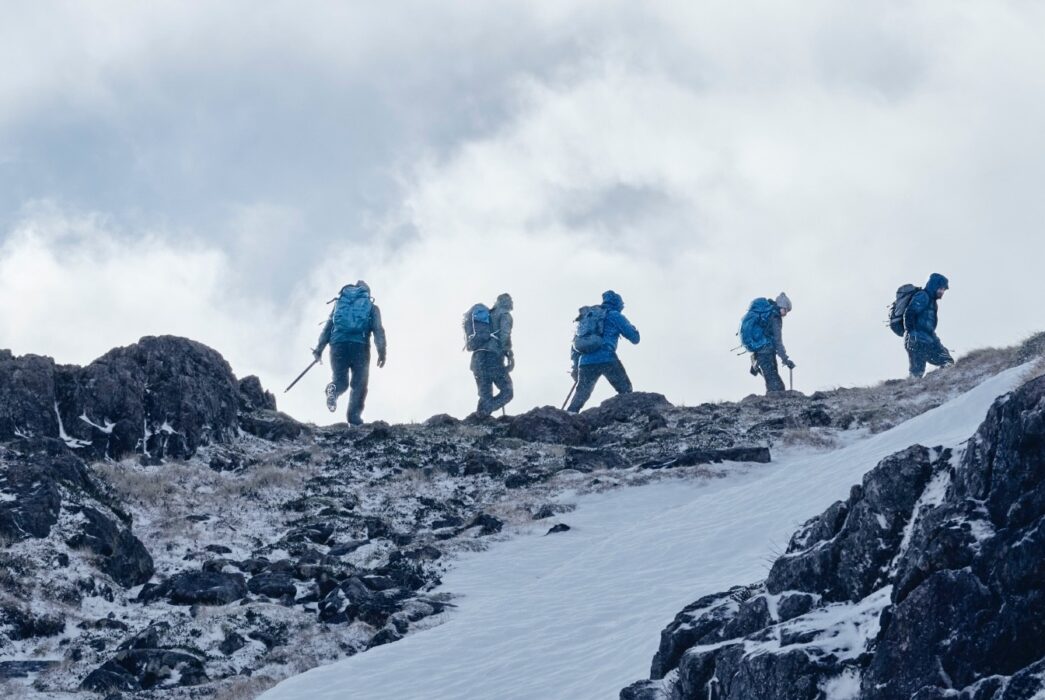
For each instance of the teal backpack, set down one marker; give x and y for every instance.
(753, 326)
(352, 315)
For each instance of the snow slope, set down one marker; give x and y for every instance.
(577, 615)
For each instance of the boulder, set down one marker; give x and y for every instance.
(118, 552)
(625, 407)
(135, 670)
(198, 588)
(548, 424)
(253, 397)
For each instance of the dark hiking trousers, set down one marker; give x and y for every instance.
(489, 371)
(588, 376)
(767, 365)
(351, 359)
(922, 351)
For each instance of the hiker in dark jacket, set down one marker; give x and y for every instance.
(492, 364)
(349, 336)
(919, 320)
(587, 368)
(764, 361)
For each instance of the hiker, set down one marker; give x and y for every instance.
(762, 334)
(488, 334)
(919, 323)
(354, 319)
(594, 350)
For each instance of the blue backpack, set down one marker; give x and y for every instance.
(477, 330)
(352, 315)
(753, 326)
(591, 322)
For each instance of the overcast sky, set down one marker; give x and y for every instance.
(219, 170)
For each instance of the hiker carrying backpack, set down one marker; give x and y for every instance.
(917, 324)
(762, 334)
(488, 334)
(594, 349)
(353, 321)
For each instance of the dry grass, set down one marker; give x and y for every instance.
(246, 688)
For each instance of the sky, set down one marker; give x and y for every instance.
(220, 170)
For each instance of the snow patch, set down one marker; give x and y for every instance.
(932, 496)
(845, 686)
(72, 442)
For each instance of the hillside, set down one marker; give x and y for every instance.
(167, 532)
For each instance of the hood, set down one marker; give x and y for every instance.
(936, 283)
(504, 301)
(612, 301)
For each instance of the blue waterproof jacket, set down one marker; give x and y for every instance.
(922, 313)
(615, 326)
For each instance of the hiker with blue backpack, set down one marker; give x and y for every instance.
(914, 315)
(594, 349)
(762, 335)
(488, 335)
(353, 321)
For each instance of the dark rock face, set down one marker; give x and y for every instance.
(702, 455)
(547, 424)
(935, 571)
(198, 588)
(271, 425)
(163, 397)
(120, 554)
(625, 407)
(135, 670)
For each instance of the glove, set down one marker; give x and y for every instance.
(317, 355)
(755, 371)
(509, 361)
(381, 360)
(789, 364)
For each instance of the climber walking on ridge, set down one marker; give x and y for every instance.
(353, 321)
(488, 334)
(594, 349)
(762, 335)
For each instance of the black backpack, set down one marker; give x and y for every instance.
(898, 308)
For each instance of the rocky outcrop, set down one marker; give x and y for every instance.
(927, 582)
(162, 397)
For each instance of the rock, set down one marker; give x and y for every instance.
(561, 527)
(253, 397)
(24, 624)
(385, 636)
(119, 553)
(198, 588)
(441, 420)
(29, 503)
(273, 585)
(696, 455)
(144, 669)
(23, 669)
(232, 643)
(548, 424)
(487, 524)
(26, 384)
(644, 690)
(624, 407)
(272, 425)
(476, 462)
(699, 623)
(589, 460)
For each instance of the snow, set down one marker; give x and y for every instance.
(69, 441)
(845, 686)
(578, 615)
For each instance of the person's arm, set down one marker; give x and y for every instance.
(918, 306)
(777, 328)
(324, 337)
(380, 341)
(627, 330)
(504, 333)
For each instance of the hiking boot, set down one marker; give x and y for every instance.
(331, 397)
(355, 419)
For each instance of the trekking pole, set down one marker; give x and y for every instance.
(570, 395)
(314, 363)
(791, 374)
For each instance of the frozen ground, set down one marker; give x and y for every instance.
(576, 615)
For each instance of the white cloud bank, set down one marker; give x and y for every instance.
(688, 158)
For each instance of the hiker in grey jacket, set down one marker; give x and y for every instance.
(353, 322)
(491, 365)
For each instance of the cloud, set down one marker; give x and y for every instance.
(690, 157)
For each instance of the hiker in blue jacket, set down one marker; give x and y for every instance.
(354, 320)
(920, 340)
(603, 361)
(762, 334)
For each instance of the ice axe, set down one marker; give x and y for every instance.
(314, 363)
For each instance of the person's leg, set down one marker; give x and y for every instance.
(587, 376)
(339, 374)
(503, 381)
(767, 364)
(915, 356)
(482, 383)
(360, 366)
(618, 377)
(939, 356)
